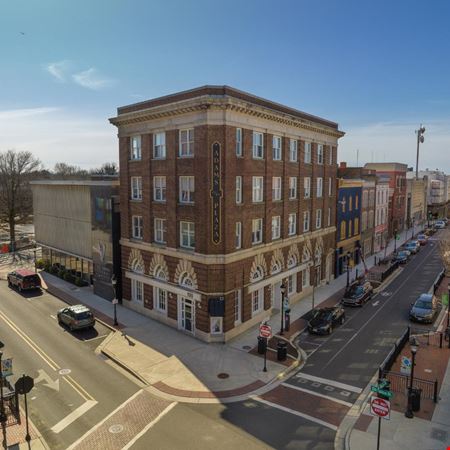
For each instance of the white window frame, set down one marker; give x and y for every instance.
(238, 190)
(239, 142)
(276, 188)
(330, 186)
(258, 145)
(292, 284)
(186, 139)
(276, 148)
(258, 189)
(257, 231)
(293, 150)
(330, 158)
(237, 307)
(306, 221)
(137, 290)
(318, 218)
(320, 154)
(159, 230)
(238, 235)
(159, 145)
(307, 187)
(307, 153)
(319, 192)
(186, 185)
(329, 217)
(257, 301)
(160, 294)
(188, 228)
(292, 224)
(135, 148)
(137, 227)
(292, 188)
(276, 227)
(159, 188)
(136, 188)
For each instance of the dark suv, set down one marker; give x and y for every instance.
(324, 319)
(76, 317)
(23, 280)
(358, 294)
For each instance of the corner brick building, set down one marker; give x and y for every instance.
(224, 197)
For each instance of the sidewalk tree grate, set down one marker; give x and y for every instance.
(223, 375)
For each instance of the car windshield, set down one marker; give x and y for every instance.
(83, 315)
(357, 290)
(421, 236)
(422, 304)
(32, 279)
(322, 314)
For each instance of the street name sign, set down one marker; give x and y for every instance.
(265, 331)
(381, 391)
(380, 407)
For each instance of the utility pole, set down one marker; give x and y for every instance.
(420, 140)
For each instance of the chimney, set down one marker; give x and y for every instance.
(342, 165)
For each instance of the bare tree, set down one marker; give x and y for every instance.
(16, 202)
(108, 168)
(66, 170)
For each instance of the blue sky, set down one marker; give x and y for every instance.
(377, 68)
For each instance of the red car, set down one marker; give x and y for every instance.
(23, 280)
(422, 238)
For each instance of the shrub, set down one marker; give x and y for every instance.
(61, 273)
(68, 277)
(80, 282)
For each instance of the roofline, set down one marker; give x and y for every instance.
(111, 183)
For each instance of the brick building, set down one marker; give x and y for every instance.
(224, 197)
(381, 216)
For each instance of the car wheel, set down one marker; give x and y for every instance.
(71, 327)
(20, 288)
(10, 284)
(330, 329)
(342, 320)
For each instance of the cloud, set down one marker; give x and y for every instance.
(58, 70)
(92, 79)
(27, 112)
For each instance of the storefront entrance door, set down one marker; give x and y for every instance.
(186, 315)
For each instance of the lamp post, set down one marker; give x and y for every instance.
(115, 301)
(414, 345)
(35, 268)
(283, 291)
(420, 140)
(348, 266)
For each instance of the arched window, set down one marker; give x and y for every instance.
(275, 268)
(186, 280)
(160, 274)
(306, 255)
(136, 266)
(343, 230)
(258, 274)
(292, 261)
(318, 256)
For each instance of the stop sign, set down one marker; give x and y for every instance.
(380, 407)
(265, 331)
(24, 384)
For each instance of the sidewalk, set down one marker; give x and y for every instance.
(181, 367)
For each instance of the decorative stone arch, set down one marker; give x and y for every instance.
(307, 251)
(259, 268)
(277, 262)
(318, 251)
(185, 275)
(158, 267)
(136, 261)
(293, 256)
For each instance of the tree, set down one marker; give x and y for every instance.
(16, 201)
(108, 168)
(444, 250)
(67, 170)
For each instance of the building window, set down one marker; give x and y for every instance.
(356, 201)
(137, 227)
(160, 231)
(257, 231)
(343, 230)
(238, 243)
(330, 153)
(257, 301)
(318, 219)
(292, 284)
(137, 291)
(257, 189)
(350, 203)
(276, 148)
(159, 189)
(363, 221)
(187, 235)
(329, 217)
(307, 187)
(135, 147)
(237, 306)
(319, 187)
(330, 187)
(239, 142)
(187, 142)
(292, 224)
(319, 154)
(306, 221)
(258, 147)
(356, 226)
(239, 190)
(308, 152)
(276, 188)
(160, 299)
(159, 145)
(187, 189)
(292, 188)
(305, 277)
(136, 188)
(293, 150)
(276, 227)
(343, 202)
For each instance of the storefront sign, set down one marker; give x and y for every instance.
(216, 193)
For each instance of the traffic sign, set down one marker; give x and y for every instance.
(115, 301)
(380, 391)
(265, 331)
(24, 384)
(286, 303)
(380, 407)
(405, 365)
(7, 367)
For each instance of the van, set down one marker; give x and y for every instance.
(24, 280)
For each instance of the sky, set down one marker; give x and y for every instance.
(378, 68)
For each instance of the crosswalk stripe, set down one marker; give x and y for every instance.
(318, 394)
(336, 384)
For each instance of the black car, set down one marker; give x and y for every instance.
(358, 294)
(424, 309)
(324, 319)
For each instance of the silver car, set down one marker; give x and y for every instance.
(76, 317)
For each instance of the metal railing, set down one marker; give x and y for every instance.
(392, 356)
(400, 383)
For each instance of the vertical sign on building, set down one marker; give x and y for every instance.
(216, 193)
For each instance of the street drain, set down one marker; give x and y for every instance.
(223, 375)
(247, 347)
(64, 371)
(115, 429)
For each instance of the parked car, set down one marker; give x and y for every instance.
(423, 239)
(439, 224)
(358, 294)
(24, 280)
(324, 319)
(76, 317)
(424, 309)
(417, 244)
(429, 232)
(445, 220)
(411, 247)
(401, 257)
(405, 250)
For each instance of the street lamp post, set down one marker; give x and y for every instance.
(115, 301)
(283, 290)
(35, 267)
(420, 140)
(409, 412)
(348, 266)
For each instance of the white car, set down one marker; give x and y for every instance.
(439, 224)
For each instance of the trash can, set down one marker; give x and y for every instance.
(261, 345)
(415, 399)
(281, 350)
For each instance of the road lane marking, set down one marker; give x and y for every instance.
(318, 394)
(297, 413)
(85, 435)
(77, 387)
(325, 381)
(52, 316)
(74, 415)
(150, 425)
(44, 376)
(375, 303)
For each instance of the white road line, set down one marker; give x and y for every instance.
(148, 426)
(104, 420)
(297, 413)
(336, 384)
(317, 394)
(74, 415)
(52, 316)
